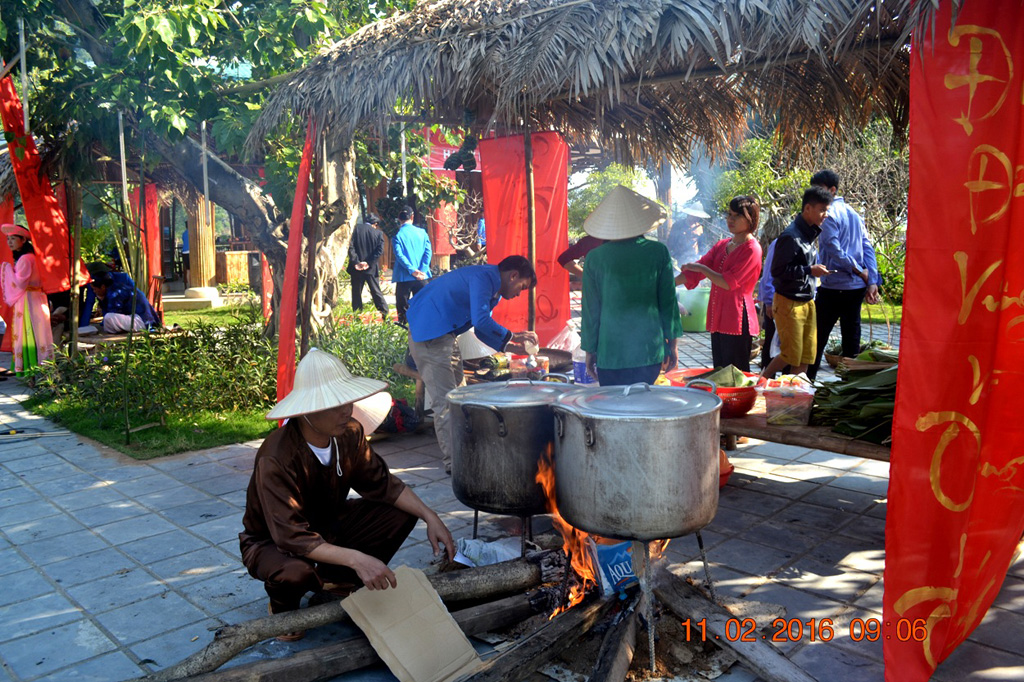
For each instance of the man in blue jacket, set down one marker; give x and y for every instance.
(113, 292)
(845, 250)
(412, 261)
(449, 306)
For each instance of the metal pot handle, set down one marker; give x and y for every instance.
(700, 383)
(559, 426)
(588, 433)
(625, 391)
(502, 429)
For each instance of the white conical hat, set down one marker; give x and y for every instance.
(321, 382)
(471, 347)
(371, 412)
(623, 214)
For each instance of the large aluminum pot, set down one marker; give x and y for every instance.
(637, 463)
(499, 433)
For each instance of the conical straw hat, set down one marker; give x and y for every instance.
(471, 347)
(623, 214)
(321, 382)
(371, 412)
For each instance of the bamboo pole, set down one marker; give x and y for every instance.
(311, 245)
(531, 228)
(74, 203)
(24, 74)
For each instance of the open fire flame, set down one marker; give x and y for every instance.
(574, 541)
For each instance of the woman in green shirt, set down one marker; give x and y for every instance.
(630, 315)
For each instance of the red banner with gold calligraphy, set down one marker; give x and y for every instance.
(956, 490)
(504, 185)
(6, 217)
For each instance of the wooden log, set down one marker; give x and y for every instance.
(617, 649)
(537, 650)
(507, 577)
(687, 603)
(355, 652)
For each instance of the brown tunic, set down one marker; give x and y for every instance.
(294, 501)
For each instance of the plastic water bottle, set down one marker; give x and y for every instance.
(579, 367)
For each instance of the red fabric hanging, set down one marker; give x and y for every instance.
(45, 219)
(504, 187)
(290, 291)
(6, 217)
(151, 242)
(956, 486)
(267, 286)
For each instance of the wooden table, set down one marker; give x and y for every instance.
(755, 425)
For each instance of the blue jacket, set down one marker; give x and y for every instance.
(412, 252)
(766, 291)
(843, 247)
(456, 301)
(119, 300)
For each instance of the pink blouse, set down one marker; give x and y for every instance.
(741, 269)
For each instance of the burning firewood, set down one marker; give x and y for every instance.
(507, 577)
(616, 654)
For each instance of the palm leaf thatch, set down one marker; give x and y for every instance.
(643, 78)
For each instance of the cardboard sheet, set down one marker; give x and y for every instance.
(412, 631)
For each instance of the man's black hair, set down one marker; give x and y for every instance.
(826, 178)
(372, 219)
(406, 214)
(816, 195)
(521, 266)
(103, 279)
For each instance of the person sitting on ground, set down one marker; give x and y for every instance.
(21, 284)
(449, 306)
(114, 295)
(794, 269)
(302, 533)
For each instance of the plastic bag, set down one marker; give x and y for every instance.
(788, 400)
(568, 339)
(477, 552)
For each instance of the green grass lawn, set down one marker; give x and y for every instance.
(877, 314)
(218, 317)
(206, 430)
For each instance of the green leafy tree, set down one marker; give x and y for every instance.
(583, 199)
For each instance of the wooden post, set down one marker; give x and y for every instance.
(531, 228)
(202, 247)
(74, 204)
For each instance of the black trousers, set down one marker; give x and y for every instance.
(843, 306)
(647, 374)
(768, 324)
(361, 277)
(373, 528)
(403, 292)
(732, 349)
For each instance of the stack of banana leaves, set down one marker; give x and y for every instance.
(859, 405)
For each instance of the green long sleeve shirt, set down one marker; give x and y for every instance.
(629, 303)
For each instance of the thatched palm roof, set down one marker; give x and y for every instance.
(645, 78)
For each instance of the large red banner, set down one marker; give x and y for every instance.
(505, 207)
(956, 491)
(6, 217)
(45, 219)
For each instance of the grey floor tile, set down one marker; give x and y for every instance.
(171, 647)
(409, 459)
(135, 622)
(204, 471)
(787, 536)
(163, 546)
(110, 512)
(779, 451)
(748, 557)
(115, 591)
(145, 526)
(864, 483)
(435, 493)
(173, 497)
(12, 561)
(22, 585)
(224, 591)
(728, 583)
(799, 604)
(1001, 629)
(125, 472)
(94, 496)
(41, 529)
(154, 482)
(194, 566)
(49, 473)
(805, 472)
(838, 498)
(30, 510)
(235, 499)
(780, 486)
(872, 599)
(825, 661)
(973, 662)
(831, 460)
(836, 583)
(188, 515)
(754, 462)
(224, 484)
(866, 528)
(112, 666)
(1011, 595)
(63, 547)
(839, 550)
(874, 468)
(730, 521)
(813, 516)
(19, 459)
(47, 651)
(34, 615)
(67, 484)
(854, 631)
(217, 531)
(87, 567)
(751, 501)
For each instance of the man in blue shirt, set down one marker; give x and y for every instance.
(412, 261)
(113, 291)
(765, 293)
(845, 250)
(449, 306)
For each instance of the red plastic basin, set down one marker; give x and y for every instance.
(736, 402)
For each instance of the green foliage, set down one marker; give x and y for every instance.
(891, 255)
(585, 198)
(368, 349)
(760, 171)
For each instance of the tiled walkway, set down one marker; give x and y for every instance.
(112, 568)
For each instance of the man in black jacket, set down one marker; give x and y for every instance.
(794, 272)
(363, 253)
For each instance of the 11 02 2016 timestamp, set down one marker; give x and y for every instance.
(813, 629)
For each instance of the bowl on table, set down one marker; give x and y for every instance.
(736, 401)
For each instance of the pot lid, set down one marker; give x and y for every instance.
(510, 393)
(639, 401)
